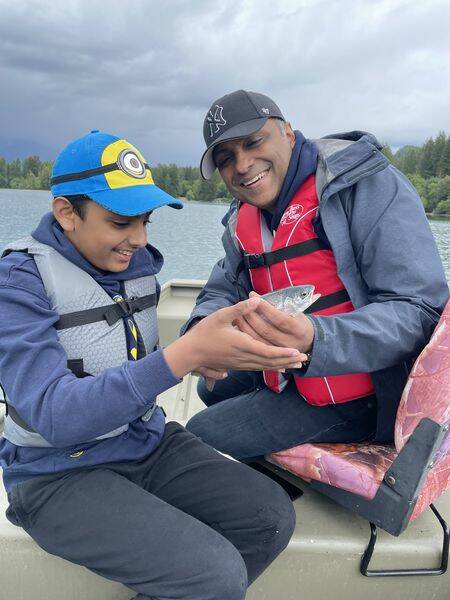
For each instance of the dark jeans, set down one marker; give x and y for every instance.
(245, 419)
(184, 523)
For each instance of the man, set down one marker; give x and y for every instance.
(336, 214)
(91, 470)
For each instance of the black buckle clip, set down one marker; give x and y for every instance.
(112, 315)
(254, 261)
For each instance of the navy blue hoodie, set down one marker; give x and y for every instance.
(65, 410)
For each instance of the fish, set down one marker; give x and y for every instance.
(293, 300)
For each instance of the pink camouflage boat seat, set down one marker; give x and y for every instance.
(362, 477)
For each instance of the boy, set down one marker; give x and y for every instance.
(91, 470)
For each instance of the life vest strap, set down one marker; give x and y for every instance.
(329, 300)
(111, 313)
(266, 259)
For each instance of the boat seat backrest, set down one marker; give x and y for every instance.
(427, 391)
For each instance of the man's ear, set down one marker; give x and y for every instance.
(64, 213)
(290, 133)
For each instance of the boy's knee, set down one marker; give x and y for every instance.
(228, 578)
(277, 518)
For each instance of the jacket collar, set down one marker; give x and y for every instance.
(344, 159)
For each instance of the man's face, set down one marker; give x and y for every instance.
(254, 167)
(107, 240)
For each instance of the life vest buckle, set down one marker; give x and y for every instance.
(254, 261)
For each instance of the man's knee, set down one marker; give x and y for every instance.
(206, 429)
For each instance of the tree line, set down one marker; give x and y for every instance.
(428, 168)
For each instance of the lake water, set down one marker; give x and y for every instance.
(189, 239)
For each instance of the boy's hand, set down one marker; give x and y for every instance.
(216, 343)
(272, 326)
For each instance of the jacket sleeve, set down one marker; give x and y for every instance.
(33, 368)
(224, 286)
(396, 264)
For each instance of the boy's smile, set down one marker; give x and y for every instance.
(107, 240)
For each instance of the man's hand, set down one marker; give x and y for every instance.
(272, 326)
(216, 343)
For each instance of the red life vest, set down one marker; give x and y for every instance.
(296, 256)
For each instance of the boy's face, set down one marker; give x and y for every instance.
(107, 240)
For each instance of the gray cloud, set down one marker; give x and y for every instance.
(148, 70)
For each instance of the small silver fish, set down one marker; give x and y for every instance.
(293, 300)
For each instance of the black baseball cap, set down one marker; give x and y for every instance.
(233, 116)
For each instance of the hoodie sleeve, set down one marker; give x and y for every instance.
(65, 410)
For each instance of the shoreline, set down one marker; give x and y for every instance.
(431, 216)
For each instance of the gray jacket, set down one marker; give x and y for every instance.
(386, 257)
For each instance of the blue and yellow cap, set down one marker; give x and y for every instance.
(111, 172)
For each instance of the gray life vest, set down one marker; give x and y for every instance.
(91, 328)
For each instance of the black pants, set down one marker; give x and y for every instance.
(245, 419)
(185, 523)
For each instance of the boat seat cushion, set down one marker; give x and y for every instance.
(357, 468)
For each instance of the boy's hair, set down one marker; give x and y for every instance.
(78, 203)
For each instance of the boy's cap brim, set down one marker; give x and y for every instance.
(207, 165)
(135, 200)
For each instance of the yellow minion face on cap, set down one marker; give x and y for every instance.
(132, 166)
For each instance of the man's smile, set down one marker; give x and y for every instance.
(250, 182)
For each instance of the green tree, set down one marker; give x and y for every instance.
(431, 193)
(444, 162)
(3, 173)
(14, 169)
(426, 164)
(408, 162)
(44, 175)
(443, 208)
(386, 150)
(32, 164)
(202, 191)
(438, 151)
(443, 189)
(419, 183)
(16, 183)
(222, 192)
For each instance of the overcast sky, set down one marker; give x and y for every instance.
(148, 70)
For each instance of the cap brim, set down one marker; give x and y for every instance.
(134, 200)
(207, 166)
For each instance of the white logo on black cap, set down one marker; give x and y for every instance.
(216, 120)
